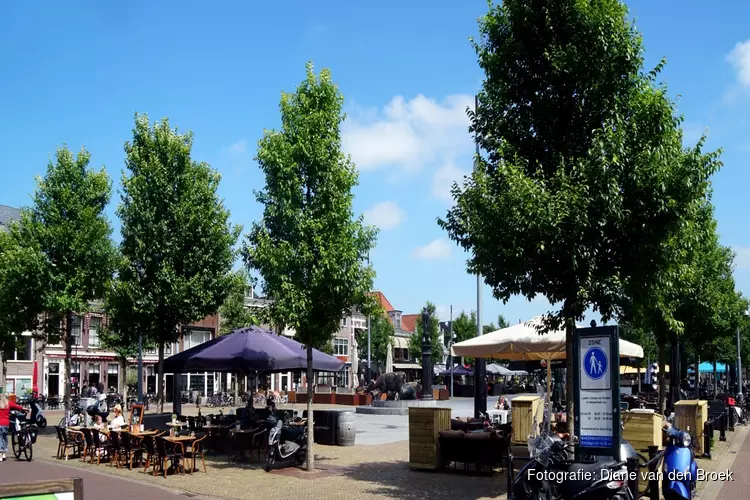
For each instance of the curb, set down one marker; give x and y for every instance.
(713, 488)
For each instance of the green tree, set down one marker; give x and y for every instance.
(23, 270)
(382, 335)
(234, 313)
(501, 323)
(415, 341)
(67, 224)
(465, 328)
(582, 178)
(308, 248)
(177, 240)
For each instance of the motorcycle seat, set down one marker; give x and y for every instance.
(291, 433)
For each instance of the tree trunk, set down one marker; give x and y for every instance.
(310, 421)
(570, 329)
(662, 378)
(68, 356)
(3, 372)
(160, 381)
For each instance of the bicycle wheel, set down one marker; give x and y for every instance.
(28, 450)
(15, 441)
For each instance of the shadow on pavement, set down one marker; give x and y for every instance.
(397, 480)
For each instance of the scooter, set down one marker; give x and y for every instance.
(599, 480)
(37, 414)
(286, 443)
(680, 469)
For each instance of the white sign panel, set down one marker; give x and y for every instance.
(595, 405)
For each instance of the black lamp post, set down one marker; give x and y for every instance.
(426, 356)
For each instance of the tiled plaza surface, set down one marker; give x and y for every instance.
(368, 471)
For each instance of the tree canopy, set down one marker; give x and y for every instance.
(582, 176)
(382, 335)
(177, 240)
(234, 312)
(308, 247)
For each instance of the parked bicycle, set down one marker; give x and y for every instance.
(23, 435)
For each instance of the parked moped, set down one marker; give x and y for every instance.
(680, 469)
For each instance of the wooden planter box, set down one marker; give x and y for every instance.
(643, 429)
(523, 411)
(292, 397)
(424, 426)
(324, 398)
(690, 416)
(345, 399)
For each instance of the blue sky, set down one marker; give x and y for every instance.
(76, 73)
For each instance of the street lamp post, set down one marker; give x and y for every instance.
(480, 388)
(140, 367)
(426, 357)
(369, 341)
(739, 365)
(450, 350)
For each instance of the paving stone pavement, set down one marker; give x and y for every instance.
(351, 473)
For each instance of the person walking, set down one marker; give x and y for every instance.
(5, 408)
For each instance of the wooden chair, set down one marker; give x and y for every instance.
(195, 450)
(99, 448)
(169, 452)
(149, 449)
(88, 446)
(113, 446)
(60, 441)
(73, 440)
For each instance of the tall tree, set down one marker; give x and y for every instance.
(67, 224)
(382, 338)
(177, 240)
(581, 180)
(415, 341)
(23, 269)
(234, 313)
(308, 248)
(501, 323)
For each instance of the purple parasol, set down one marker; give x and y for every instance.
(252, 349)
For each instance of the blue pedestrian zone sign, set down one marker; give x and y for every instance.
(597, 390)
(595, 363)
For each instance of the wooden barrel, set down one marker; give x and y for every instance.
(346, 431)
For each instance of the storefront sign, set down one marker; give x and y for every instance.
(598, 390)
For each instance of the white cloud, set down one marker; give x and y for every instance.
(443, 180)
(742, 257)
(435, 250)
(739, 57)
(385, 215)
(239, 146)
(408, 134)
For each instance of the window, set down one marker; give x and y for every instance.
(94, 374)
(24, 350)
(195, 337)
(340, 347)
(343, 322)
(76, 330)
(94, 325)
(342, 378)
(167, 350)
(113, 369)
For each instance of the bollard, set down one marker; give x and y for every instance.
(510, 474)
(708, 433)
(723, 427)
(633, 478)
(653, 483)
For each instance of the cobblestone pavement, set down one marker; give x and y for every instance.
(376, 471)
(351, 473)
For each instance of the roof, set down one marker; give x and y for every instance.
(409, 322)
(8, 215)
(385, 304)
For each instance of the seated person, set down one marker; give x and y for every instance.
(248, 419)
(501, 404)
(119, 421)
(99, 425)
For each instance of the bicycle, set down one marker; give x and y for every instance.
(23, 436)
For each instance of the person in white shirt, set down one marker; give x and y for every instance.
(119, 420)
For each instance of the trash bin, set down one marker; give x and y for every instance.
(325, 428)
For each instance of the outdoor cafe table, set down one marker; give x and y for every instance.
(175, 425)
(242, 439)
(215, 432)
(185, 441)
